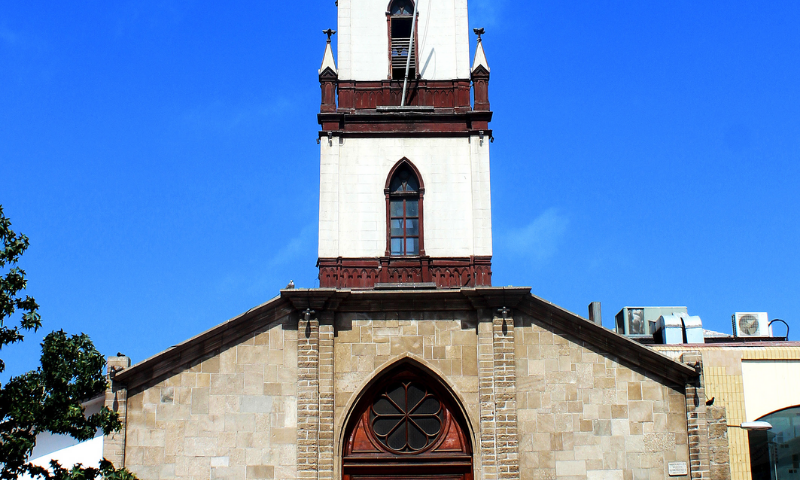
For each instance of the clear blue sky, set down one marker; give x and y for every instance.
(161, 156)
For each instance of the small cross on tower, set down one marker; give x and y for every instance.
(479, 32)
(329, 32)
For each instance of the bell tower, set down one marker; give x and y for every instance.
(405, 194)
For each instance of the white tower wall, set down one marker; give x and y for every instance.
(364, 40)
(457, 202)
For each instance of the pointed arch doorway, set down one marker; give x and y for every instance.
(407, 426)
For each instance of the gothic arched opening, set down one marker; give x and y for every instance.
(404, 214)
(407, 426)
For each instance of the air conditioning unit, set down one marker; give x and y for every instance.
(750, 324)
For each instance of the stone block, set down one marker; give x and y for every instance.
(640, 411)
(261, 471)
(576, 468)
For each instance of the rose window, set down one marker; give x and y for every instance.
(406, 417)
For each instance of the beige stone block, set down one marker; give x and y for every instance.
(242, 422)
(438, 353)
(576, 468)
(351, 335)
(619, 411)
(274, 357)
(253, 384)
(604, 475)
(640, 411)
(283, 435)
(383, 349)
(363, 350)
(200, 398)
(227, 361)
(153, 456)
(288, 374)
(200, 447)
(344, 360)
(222, 404)
(546, 422)
(464, 337)
(261, 471)
(203, 380)
(401, 345)
(531, 337)
(532, 352)
(365, 364)
(223, 384)
(652, 391)
(634, 391)
(276, 338)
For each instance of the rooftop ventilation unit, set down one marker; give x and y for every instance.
(640, 322)
(750, 324)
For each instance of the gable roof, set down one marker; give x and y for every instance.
(291, 302)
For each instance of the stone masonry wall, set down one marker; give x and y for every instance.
(584, 415)
(719, 457)
(231, 415)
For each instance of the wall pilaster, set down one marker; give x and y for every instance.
(308, 396)
(116, 401)
(697, 421)
(326, 396)
(505, 392)
(487, 440)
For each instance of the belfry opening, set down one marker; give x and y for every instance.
(407, 425)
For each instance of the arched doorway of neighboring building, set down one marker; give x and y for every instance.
(407, 426)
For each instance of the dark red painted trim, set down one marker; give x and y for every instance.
(445, 272)
(405, 123)
(480, 83)
(359, 95)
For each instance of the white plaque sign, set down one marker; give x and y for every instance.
(678, 469)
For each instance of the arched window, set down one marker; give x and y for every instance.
(400, 15)
(409, 425)
(404, 211)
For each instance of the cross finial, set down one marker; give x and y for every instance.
(329, 32)
(308, 314)
(503, 312)
(479, 32)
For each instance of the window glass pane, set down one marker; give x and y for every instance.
(404, 180)
(412, 227)
(412, 208)
(412, 246)
(402, 7)
(397, 246)
(396, 208)
(397, 227)
(775, 454)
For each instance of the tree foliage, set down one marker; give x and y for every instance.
(50, 398)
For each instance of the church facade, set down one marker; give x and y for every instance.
(407, 362)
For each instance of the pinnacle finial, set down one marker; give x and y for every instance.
(479, 32)
(329, 32)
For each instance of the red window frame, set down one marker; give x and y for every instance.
(405, 196)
